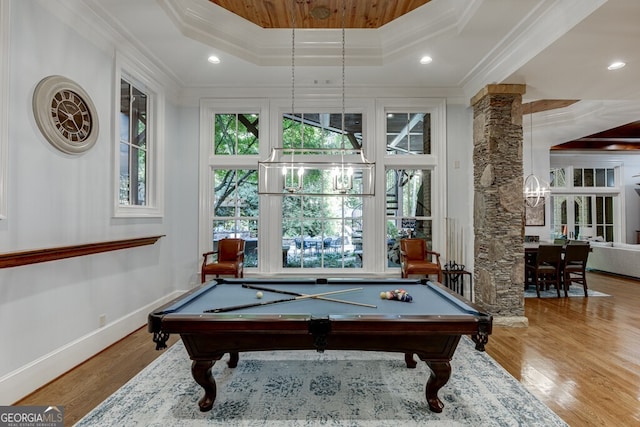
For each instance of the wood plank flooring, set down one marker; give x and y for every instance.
(578, 355)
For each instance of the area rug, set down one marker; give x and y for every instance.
(574, 291)
(335, 388)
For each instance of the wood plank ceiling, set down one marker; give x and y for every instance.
(320, 13)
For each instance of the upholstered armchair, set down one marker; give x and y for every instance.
(230, 259)
(416, 258)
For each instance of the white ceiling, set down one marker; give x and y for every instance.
(559, 48)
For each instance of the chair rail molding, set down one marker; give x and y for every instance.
(16, 259)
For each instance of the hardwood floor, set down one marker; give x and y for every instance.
(578, 355)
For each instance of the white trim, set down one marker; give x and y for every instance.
(576, 160)
(132, 69)
(213, 25)
(5, 27)
(437, 161)
(373, 111)
(19, 383)
(209, 107)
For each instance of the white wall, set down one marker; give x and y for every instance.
(460, 181)
(50, 312)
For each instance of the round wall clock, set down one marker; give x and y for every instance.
(65, 114)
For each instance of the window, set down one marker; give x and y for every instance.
(585, 206)
(593, 177)
(408, 179)
(320, 232)
(233, 135)
(236, 134)
(408, 208)
(235, 207)
(138, 164)
(133, 145)
(408, 133)
(323, 231)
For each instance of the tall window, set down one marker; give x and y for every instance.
(236, 209)
(139, 155)
(323, 231)
(408, 190)
(235, 190)
(133, 145)
(584, 206)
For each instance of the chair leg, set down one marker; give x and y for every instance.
(537, 283)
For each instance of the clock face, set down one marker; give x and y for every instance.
(65, 114)
(71, 116)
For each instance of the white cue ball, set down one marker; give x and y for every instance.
(258, 294)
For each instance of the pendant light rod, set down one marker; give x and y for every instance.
(349, 171)
(535, 190)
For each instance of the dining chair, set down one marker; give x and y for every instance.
(416, 258)
(530, 258)
(547, 269)
(574, 266)
(229, 261)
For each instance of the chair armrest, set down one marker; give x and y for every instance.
(206, 255)
(434, 253)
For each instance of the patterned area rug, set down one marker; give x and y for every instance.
(574, 291)
(335, 388)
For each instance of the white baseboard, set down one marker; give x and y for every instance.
(28, 378)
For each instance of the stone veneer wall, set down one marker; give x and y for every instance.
(498, 204)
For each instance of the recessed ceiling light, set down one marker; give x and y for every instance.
(616, 65)
(214, 59)
(426, 60)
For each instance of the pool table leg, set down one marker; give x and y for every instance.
(441, 371)
(233, 359)
(201, 371)
(409, 360)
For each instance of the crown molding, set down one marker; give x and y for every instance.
(215, 26)
(583, 118)
(91, 21)
(546, 22)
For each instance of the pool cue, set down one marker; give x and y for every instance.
(279, 291)
(240, 307)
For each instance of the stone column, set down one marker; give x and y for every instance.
(498, 202)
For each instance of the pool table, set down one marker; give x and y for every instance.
(430, 326)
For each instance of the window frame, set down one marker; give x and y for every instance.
(311, 105)
(373, 111)
(209, 162)
(436, 162)
(133, 72)
(571, 191)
